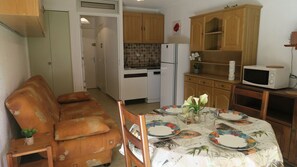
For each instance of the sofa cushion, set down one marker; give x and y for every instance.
(80, 127)
(74, 97)
(81, 109)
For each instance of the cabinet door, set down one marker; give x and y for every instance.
(50, 56)
(153, 28)
(221, 98)
(189, 89)
(282, 134)
(132, 27)
(196, 41)
(233, 30)
(201, 89)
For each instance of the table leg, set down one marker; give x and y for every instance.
(49, 156)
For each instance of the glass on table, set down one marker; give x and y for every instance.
(210, 117)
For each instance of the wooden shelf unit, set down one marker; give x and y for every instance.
(282, 115)
(41, 144)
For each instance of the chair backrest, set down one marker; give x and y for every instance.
(141, 143)
(251, 102)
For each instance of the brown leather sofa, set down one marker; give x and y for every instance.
(81, 133)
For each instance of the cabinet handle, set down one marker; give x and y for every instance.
(222, 86)
(189, 79)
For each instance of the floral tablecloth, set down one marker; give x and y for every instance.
(199, 151)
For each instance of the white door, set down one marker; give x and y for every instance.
(89, 52)
(112, 58)
(100, 62)
(167, 84)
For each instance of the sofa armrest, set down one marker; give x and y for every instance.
(73, 97)
(80, 127)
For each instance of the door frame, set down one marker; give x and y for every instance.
(119, 21)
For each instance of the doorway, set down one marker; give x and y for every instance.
(100, 53)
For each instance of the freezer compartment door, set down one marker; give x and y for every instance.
(168, 53)
(167, 84)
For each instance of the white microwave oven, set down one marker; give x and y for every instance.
(272, 77)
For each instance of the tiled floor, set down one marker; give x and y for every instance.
(110, 106)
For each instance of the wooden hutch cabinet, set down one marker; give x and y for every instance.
(143, 27)
(219, 37)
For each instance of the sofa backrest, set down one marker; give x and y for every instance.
(30, 110)
(39, 83)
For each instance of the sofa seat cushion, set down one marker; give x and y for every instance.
(74, 97)
(82, 109)
(80, 127)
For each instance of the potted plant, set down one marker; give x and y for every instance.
(28, 133)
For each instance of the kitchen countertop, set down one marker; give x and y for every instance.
(137, 68)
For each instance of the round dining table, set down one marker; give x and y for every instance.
(209, 142)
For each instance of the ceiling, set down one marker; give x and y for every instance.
(152, 4)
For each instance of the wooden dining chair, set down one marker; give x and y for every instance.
(252, 102)
(141, 143)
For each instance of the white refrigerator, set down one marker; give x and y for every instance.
(174, 64)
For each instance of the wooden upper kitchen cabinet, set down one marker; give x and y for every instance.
(23, 16)
(132, 27)
(196, 37)
(153, 28)
(143, 27)
(232, 29)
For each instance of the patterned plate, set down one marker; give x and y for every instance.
(232, 140)
(231, 115)
(162, 129)
(172, 109)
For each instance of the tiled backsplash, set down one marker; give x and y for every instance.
(142, 55)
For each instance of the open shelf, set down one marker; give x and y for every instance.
(214, 33)
(291, 45)
(215, 63)
(281, 108)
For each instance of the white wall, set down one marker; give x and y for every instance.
(14, 70)
(278, 20)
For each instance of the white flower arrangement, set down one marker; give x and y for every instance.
(195, 104)
(195, 55)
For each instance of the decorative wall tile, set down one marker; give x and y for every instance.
(142, 55)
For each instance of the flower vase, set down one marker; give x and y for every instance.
(196, 117)
(29, 141)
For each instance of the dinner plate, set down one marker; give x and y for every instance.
(172, 109)
(162, 129)
(232, 140)
(231, 115)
